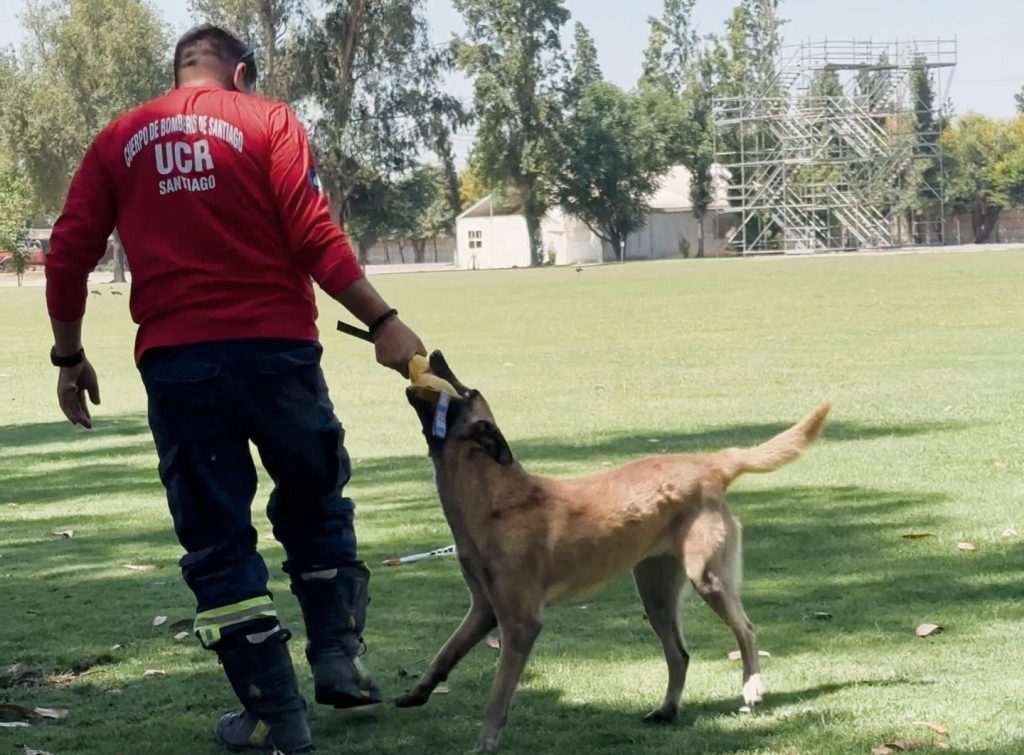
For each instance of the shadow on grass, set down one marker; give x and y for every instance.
(99, 472)
(807, 549)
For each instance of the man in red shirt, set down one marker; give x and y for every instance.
(215, 196)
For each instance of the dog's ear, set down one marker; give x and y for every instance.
(490, 438)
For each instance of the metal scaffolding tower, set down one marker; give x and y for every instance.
(841, 152)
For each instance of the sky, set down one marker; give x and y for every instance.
(988, 32)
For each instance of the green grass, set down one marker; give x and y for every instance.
(921, 356)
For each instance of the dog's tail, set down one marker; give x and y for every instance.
(780, 450)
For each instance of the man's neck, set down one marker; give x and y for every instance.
(204, 82)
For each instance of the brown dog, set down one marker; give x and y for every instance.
(525, 542)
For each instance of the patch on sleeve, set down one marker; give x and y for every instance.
(314, 180)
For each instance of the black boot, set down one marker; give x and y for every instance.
(261, 673)
(334, 608)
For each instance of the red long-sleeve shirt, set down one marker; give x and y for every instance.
(216, 200)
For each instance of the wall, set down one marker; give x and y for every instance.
(503, 238)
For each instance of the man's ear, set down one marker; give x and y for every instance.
(490, 437)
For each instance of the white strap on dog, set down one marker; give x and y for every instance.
(441, 416)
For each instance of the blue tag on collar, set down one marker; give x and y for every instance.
(441, 416)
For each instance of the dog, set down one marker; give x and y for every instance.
(525, 542)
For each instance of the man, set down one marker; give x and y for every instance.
(216, 199)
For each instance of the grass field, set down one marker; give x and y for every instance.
(922, 356)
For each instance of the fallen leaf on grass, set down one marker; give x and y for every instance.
(905, 745)
(966, 546)
(159, 621)
(823, 616)
(493, 641)
(150, 673)
(117, 647)
(1010, 533)
(14, 725)
(57, 714)
(64, 533)
(918, 535)
(441, 689)
(936, 727)
(30, 751)
(927, 630)
(182, 636)
(18, 711)
(183, 625)
(654, 440)
(141, 567)
(736, 655)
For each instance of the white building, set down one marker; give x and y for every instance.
(488, 238)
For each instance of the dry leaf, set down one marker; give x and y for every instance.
(183, 625)
(882, 750)
(909, 743)
(150, 673)
(822, 616)
(64, 533)
(57, 714)
(29, 751)
(113, 691)
(936, 727)
(17, 710)
(159, 621)
(441, 689)
(918, 535)
(14, 725)
(653, 440)
(493, 640)
(966, 546)
(182, 636)
(1010, 533)
(117, 647)
(141, 567)
(927, 630)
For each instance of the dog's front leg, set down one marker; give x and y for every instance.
(516, 643)
(474, 627)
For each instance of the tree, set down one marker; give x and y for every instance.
(927, 181)
(609, 160)
(15, 211)
(85, 62)
(974, 146)
(264, 25)
(512, 50)
(373, 80)
(585, 68)
(1019, 97)
(699, 97)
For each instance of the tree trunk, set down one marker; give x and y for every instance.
(700, 236)
(120, 264)
(533, 212)
(419, 250)
(985, 219)
(616, 242)
(401, 249)
(435, 248)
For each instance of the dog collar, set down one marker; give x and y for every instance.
(441, 416)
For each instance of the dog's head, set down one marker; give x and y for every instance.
(468, 427)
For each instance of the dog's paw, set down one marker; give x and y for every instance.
(753, 693)
(412, 699)
(661, 717)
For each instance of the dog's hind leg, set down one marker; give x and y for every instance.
(717, 579)
(474, 627)
(659, 581)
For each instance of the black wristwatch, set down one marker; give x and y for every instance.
(69, 361)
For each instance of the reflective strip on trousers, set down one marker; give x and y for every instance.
(209, 624)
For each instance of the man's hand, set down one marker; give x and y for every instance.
(396, 345)
(72, 385)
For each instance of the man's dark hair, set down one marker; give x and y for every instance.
(206, 43)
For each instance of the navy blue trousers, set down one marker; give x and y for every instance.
(207, 401)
